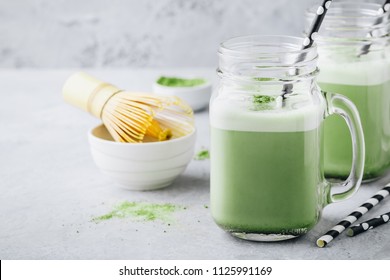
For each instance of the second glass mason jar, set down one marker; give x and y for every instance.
(267, 177)
(353, 47)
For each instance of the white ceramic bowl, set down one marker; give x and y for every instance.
(141, 166)
(197, 97)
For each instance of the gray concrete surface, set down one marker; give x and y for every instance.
(133, 33)
(50, 189)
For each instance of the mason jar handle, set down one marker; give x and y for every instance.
(340, 105)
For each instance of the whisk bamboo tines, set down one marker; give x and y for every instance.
(130, 116)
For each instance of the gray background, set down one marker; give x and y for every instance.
(134, 33)
(51, 189)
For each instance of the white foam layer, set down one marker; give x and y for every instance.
(229, 115)
(360, 73)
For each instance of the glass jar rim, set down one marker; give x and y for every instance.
(365, 10)
(268, 58)
(238, 46)
(352, 23)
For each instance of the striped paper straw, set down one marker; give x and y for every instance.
(351, 218)
(311, 36)
(384, 9)
(370, 224)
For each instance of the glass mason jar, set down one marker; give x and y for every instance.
(266, 117)
(353, 47)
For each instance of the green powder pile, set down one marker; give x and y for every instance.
(179, 82)
(141, 211)
(262, 99)
(202, 155)
(262, 102)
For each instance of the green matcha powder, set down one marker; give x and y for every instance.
(179, 82)
(202, 155)
(141, 211)
(262, 102)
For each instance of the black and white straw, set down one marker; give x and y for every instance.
(311, 36)
(370, 224)
(351, 218)
(315, 27)
(384, 9)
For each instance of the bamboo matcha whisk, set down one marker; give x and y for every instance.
(129, 116)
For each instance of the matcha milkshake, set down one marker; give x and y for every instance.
(354, 61)
(266, 169)
(367, 84)
(266, 116)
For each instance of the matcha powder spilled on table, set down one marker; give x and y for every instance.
(202, 155)
(141, 211)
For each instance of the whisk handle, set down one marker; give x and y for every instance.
(88, 93)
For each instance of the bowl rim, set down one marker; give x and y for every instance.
(90, 134)
(145, 172)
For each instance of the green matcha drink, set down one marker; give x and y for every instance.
(367, 85)
(266, 171)
(354, 60)
(267, 157)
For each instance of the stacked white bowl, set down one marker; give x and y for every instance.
(198, 97)
(141, 166)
